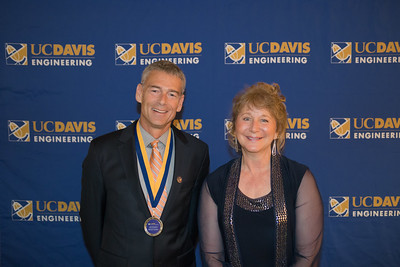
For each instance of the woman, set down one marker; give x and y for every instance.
(261, 209)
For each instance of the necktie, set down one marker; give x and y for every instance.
(155, 160)
(155, 165)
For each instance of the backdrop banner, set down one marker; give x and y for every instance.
(69, 72)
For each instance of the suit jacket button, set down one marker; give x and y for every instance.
(179, 179)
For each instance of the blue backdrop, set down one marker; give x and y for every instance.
(70, 70)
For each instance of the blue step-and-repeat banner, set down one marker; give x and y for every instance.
(69, 71)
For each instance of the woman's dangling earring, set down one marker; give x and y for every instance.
(236, 145)
(274, 148)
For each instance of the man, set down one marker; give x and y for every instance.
(134, 214)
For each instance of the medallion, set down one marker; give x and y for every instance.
(153, 226)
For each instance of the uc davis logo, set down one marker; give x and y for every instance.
(227, 127)
(340, 52)
(122, 124)
(22, 210)
(51, 131)
(125, 54)
(339, 128)
(18, 131)
(339, 206)
(45, 211)
(235, 53)
(16, 54)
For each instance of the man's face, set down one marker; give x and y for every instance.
(161, 98)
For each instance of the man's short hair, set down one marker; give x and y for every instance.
(167, 67)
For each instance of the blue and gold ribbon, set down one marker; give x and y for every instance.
(154, 189)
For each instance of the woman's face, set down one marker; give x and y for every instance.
(255, 130)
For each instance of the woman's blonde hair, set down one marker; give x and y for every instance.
(262, 96)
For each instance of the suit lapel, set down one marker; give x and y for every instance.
(129, 162)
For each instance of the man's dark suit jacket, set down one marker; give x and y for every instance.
(113, 207)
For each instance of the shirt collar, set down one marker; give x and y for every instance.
(147, 138)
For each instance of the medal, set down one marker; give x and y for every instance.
(153, 226)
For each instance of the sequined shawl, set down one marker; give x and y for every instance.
(284, 215)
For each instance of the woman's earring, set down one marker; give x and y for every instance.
(274, 148)
(236, 145)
